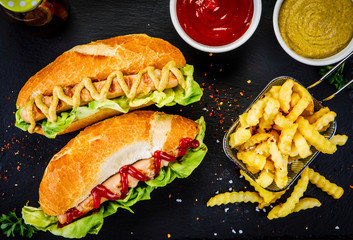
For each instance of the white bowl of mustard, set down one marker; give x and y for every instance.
(314, 32)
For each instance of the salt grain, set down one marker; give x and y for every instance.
(178, 200)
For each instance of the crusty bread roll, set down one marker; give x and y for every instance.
(97, 60)
(101, 150)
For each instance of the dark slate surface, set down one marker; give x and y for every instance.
(24, 156)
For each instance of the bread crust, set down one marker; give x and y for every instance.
(90, 158)
(98, 59)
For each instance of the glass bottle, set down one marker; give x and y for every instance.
(37, 16)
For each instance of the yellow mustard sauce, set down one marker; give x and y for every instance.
(75, 100)
(316, 28)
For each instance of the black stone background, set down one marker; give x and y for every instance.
(223, 76)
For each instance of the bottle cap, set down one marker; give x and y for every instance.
(19, 5)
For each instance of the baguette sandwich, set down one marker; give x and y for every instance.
(102, 79)
(112, 164)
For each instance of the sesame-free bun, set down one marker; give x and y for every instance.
(100, 150)
(96, 60)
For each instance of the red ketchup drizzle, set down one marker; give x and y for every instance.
(101, 191)
(133, 172)
(215, 22)
(70, 215)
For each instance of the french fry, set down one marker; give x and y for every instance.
(295, 99)
(242, 120)
(275, 91)
(285, 139)
(232, 197)
(281, 173)
(263, 150)
(265, 178)
(298, 109)
(313, 118)
(275, 135)
(252, 169)
(325, 185)
(267, 196)
(278, 195)
(252, 159)
(286, 208)
(303, 93)
(306, 203)
(314, 137)
(280, 162)
(276, 155)
(339, 140)
(240, 136)
(255, 139)
(269, 166)
(270, 112)
(302, 146)
(323, 122)
(285, 94)
(256, 111)
(281, 122)
(294, 151)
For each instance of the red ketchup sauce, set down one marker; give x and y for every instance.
(215, 22)
(101, 191)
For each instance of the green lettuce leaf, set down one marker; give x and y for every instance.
(168, 97)
(20, 123)
(92, 223)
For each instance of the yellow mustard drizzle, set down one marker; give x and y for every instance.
(58, 92)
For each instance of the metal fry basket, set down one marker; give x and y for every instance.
(298, 165)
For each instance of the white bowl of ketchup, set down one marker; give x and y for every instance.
(215, 25)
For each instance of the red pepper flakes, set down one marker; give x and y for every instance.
(170, 195)
(18, 168)
(351, 186)
(197, 218)
(168, 235)
(241, 93)
(211, 54)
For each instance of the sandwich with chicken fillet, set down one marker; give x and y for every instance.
(114, 164)
(102, 79)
